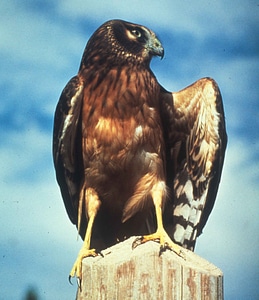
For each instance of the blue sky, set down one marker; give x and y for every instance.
(41, 44)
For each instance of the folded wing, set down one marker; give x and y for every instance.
(67, 152)
(196, 139)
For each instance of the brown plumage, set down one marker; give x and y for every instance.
(125, 150)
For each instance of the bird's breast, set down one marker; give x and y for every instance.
(122, 136)
(121, 114)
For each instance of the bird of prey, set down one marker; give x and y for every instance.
(132, 158)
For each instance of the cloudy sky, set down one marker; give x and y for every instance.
(41, 43)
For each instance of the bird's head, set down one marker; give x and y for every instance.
(119, 42)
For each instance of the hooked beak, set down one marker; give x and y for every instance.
(155, 46)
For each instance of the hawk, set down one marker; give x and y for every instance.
(130, 157)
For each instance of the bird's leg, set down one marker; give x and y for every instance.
(92, 206)
(160, 235)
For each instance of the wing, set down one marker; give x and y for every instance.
(66, 152)
(196, 139)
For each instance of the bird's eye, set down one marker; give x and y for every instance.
(136, 33)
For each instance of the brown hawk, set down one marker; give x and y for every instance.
(132, 158)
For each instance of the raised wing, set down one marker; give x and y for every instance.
(66, 152)
(196, 139)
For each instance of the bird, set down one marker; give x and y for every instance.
(131, 158)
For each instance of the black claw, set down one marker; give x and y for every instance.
(78, 280)
(137, 242)
(163, 248)
(99, 252)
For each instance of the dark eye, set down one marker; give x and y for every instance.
(136, 32)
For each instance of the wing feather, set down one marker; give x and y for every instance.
(196, 139)
(66, 152)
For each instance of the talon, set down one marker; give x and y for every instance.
(161, 250)
(137, 242)
(77, 267)
(78, 280)
(69, 279)
(165, 242)
(99, 252)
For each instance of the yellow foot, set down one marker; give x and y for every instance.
(77, 267)
(162, 237)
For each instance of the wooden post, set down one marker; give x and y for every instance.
(141, 273)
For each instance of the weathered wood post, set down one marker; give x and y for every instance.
(141, 273)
